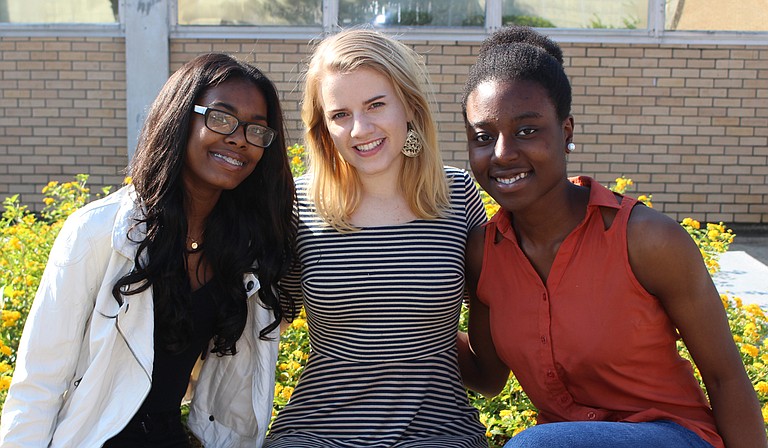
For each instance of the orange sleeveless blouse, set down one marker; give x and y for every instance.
(591, 343)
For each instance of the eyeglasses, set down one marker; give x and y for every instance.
(225, 123)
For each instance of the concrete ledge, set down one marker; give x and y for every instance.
(743, 276)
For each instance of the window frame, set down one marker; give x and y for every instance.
(654, 34)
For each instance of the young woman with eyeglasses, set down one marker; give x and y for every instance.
(183, 262)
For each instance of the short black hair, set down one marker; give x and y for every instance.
(520, 53)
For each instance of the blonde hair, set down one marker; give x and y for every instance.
(335, 186)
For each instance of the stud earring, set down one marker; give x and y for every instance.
(570, 148)
(412, 146)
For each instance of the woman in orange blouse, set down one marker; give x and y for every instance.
(581, 292)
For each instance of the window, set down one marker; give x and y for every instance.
(626, 14)
(713, 15)
(59, 11)
(456, 13)
(250, 12)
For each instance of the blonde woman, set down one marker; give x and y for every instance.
(383, 226)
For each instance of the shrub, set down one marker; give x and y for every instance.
(523, 20)
(26, 239)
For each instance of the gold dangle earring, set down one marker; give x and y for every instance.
(412, 146)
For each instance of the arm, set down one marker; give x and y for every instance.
(291, 282)
(51, 341)
(481, 368)
(662, 254)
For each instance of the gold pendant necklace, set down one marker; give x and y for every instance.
(194, 245)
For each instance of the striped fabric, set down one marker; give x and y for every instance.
(383, 305)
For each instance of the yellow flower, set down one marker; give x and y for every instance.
(10, 317)
(765, 413)
(51, 184)
(505, 413)
(127, 180)
(755, 310)
(646, 200)
(750, 350)
(299, 323)
(491, 209)
(689, 222)
(287, 392)
(4, 349)
(5, 382)
(762, 387)
(4, 367)
(15, 243)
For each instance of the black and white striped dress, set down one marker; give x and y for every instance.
(383, 306)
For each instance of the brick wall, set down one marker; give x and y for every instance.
(62, 112)
(688, 123)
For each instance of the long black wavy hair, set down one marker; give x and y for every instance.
(252, 228)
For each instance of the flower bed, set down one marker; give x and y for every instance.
(26, 239)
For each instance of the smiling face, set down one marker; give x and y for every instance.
(366, 120)
(216, 162)
(516, 142)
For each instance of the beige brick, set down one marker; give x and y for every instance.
(677, 115)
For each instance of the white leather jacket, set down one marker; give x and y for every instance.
(85, 363)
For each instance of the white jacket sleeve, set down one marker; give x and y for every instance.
(54, 334)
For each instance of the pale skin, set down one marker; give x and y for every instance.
(368, 125)
(546, 207)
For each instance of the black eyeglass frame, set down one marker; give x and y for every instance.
(206, 112)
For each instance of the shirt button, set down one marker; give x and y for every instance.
(249, 286)
(543, 339)
(550, 374)
(563, 398)
(544, 297)
(591, 415)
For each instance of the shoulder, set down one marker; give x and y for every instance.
(658, 247)
(452, 173)
(302, 181)
(652, 228)
(97, 217)
(459, 180)
(302, 187)
(91, 227)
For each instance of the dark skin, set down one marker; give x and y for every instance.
(517, 152)
(215, 162)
